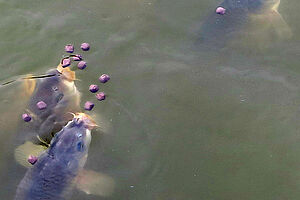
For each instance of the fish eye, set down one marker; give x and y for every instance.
(79, 135)
(79, 146)
(55, 88)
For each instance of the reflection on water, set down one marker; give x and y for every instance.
(180, 122)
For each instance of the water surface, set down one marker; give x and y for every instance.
(179, 122)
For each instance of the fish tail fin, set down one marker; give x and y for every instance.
(28, 86)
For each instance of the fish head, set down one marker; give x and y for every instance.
(235, 4)
(66, 73)
(71, 144)
(251, 6)
(49, 90)
(262, 6)
(244, 23)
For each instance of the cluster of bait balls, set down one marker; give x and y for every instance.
(41, 105)
(95, 88)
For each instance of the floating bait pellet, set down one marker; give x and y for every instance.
(32, 159)
(220, 10)
(85, 46)
(104, 78)
(89, 105)
(69, 48)
(77, 57)
(66, 62)
(26, 117)
(100, 96)
(81, 65)
(93, 88)
(41, 105)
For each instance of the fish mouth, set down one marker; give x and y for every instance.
(67, 73)
(87, 120)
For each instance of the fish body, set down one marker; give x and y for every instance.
(53, 176)
(217, 30)
(60, 95)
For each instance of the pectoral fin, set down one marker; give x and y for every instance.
(95, 183)
(28, 86)
(282, 29)
(25, 150)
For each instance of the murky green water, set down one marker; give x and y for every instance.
(180, 122)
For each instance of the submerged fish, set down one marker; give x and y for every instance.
(57, 89)
(59, 93)
(60, 167)
(240, 15)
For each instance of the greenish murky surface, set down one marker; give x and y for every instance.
(179, 122)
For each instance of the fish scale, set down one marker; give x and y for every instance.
(235, 4)
(50, 183)
(54, 174)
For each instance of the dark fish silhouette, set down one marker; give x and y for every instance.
(60, 167)
(60, 94)
(218, 30)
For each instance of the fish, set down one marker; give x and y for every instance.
(61, 167)
(58, 90)
(61, 96)
(244, 19)
(18, 95)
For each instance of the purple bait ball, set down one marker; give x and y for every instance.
(94, 88)
(220, 10)
(77, 57)
(41, 105)
(69, 48)
(32, 159)
(85, 46)
(81, 65)
(104, 78)
(26, 117)
(100, 96)
(89, 105)
(66, 62)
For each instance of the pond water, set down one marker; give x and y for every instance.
(181, 120)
